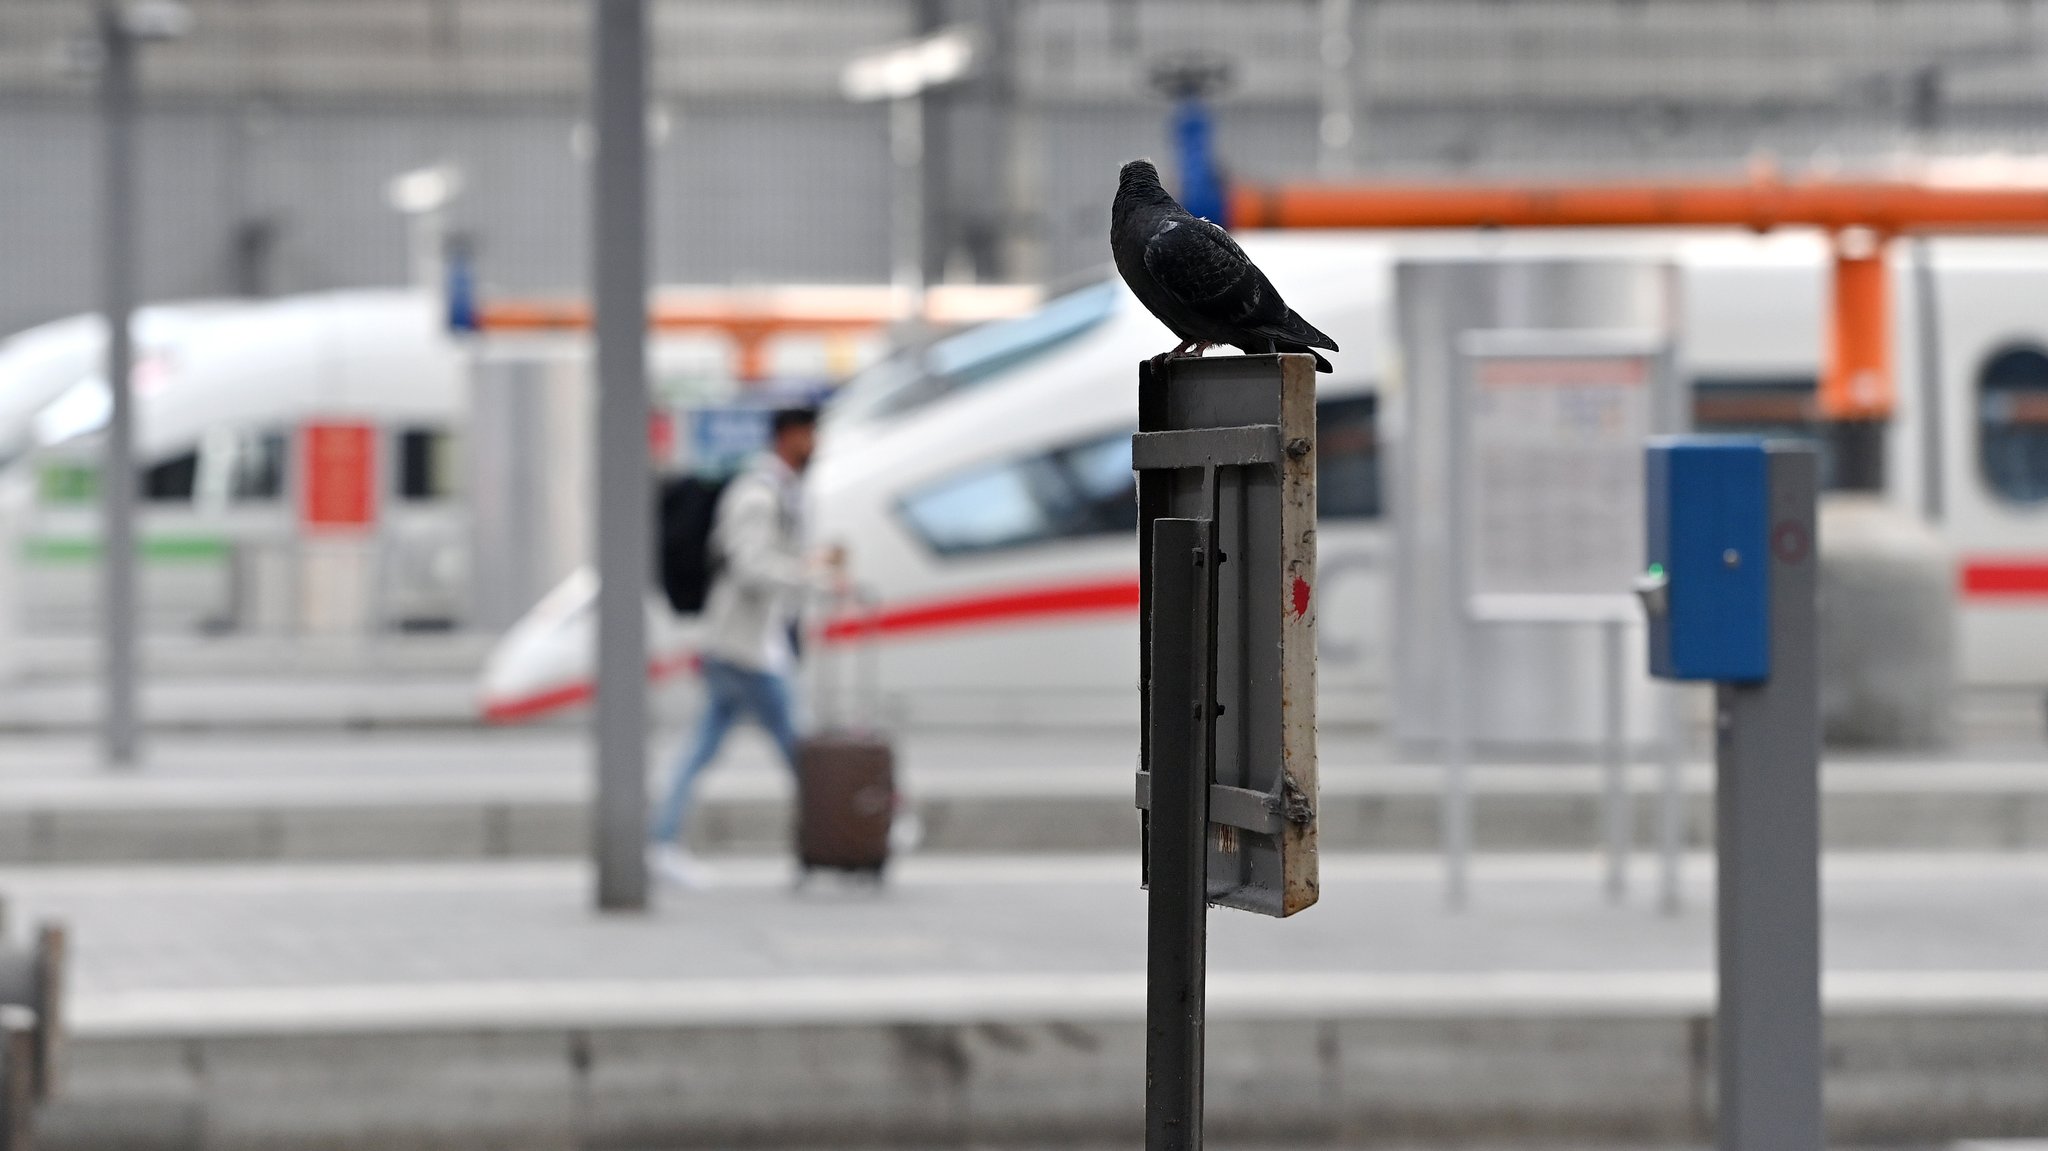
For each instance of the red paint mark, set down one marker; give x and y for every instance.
(2005, 579)
(1300, 597)
(1102, 597)
(1791, 541)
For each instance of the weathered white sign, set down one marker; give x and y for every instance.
(1553, 469)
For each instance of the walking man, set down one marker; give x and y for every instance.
(760, 576)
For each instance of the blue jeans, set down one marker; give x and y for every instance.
(731, 693)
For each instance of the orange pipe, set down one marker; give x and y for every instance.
(1858, 382)
(1890, 207)
(570, 316)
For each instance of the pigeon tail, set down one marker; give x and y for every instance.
(1294, 328)
(1322, 365)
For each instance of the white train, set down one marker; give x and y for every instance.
(985, 496)
(229, 395)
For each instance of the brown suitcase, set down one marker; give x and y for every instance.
(846, 800)
(846, 775)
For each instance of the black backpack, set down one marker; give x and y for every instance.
(688, 509)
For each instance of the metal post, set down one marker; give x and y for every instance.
(1616, 817)
(120, 736)
(17, 1082)
(1768, 848)
(1670, 798)
(906, 151)
(1927, 332)
(1337, 128)
(1177, 907)
(1459, 688)
(619, 279)
(1456, 813)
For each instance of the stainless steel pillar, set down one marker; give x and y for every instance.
(624, 512)
(907, 200)
(1617, 816)
(119, 726)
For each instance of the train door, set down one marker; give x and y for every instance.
(1992, 306)
(1351, 562)
(423, 536)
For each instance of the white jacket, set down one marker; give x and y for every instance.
(761, 579)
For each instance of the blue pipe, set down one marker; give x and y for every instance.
(1201, 185)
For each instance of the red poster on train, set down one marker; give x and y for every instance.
(338, 480)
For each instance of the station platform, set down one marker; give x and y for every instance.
(523, 794)
(49, 684)
(996, 999)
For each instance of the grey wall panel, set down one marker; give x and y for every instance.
(744, 191)
(271, 131)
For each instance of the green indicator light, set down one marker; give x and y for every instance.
(1656, 570)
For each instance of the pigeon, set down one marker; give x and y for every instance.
(1194, 277)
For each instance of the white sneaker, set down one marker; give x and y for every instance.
(906, 830)
(675, 867)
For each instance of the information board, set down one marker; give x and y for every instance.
(1550, 428)
(1228, 443)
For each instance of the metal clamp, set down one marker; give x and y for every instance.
(1243, 446)
(1239, 807)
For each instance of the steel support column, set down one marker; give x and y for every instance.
(624, 516)
(119, 668)
(1767, 847)
(1177, 907)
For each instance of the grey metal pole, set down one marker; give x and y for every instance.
(17, 1078)
(1459, 686)
(1927, 333)
(1767, 803)
(1177, 906)
(1670, 798)
(1337, 128)
(1616, 816)
(624, 514)
(906, 153)
(119, 726)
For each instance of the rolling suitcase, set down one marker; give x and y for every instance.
(846, 782)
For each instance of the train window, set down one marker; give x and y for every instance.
(2012, 423)
(1100, 473)
(1348, 458)
(256, 469)
(913, 378)
(988, 509)
(1072, 492)
(426, 464)
(171, 480)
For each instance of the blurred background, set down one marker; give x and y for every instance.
(331, 888)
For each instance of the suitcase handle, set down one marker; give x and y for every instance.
(866, 649)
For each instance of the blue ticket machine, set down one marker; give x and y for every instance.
(1728, 588)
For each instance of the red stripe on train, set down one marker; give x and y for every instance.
(2003, 579)
(1100, 597)
(522, 708)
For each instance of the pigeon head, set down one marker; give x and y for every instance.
(1138, 175)
(1138, 183)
